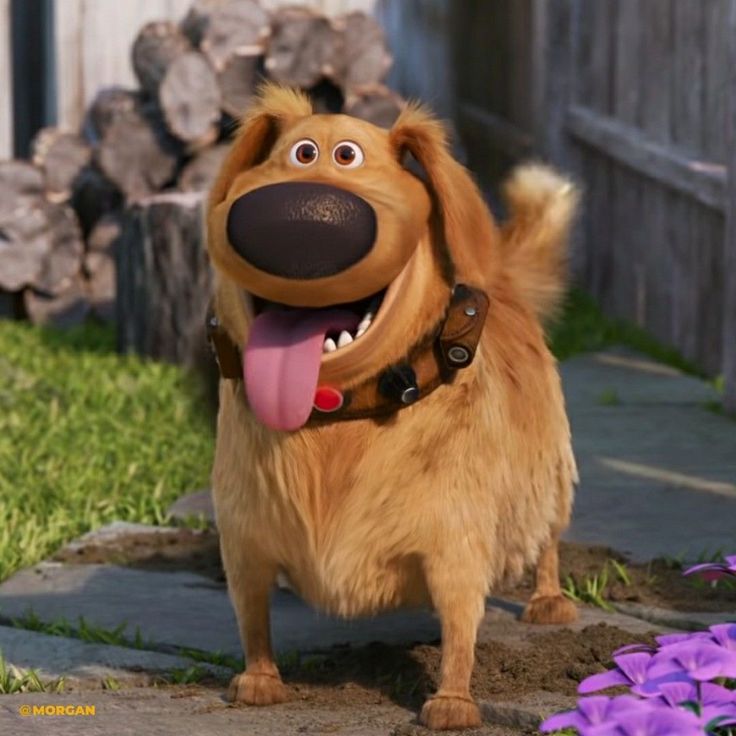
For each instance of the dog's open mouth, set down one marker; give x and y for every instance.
(284, 352)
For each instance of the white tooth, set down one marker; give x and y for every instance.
(362, 327)
(345, 339)
(360, 332)
(329, 346)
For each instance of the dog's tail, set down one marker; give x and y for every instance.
(542, 206)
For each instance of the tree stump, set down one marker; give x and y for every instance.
(164, 283)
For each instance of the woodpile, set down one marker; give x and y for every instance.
(98, 197)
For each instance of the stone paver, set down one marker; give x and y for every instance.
(658, 470)
(197, 504)
(85, 665)
(201, 712)
(153, 712)
(185, 609)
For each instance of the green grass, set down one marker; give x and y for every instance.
(14, 680)
(582, 328)
(88, 436)
(593, 589)
(84, 630)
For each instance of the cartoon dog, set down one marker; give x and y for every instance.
(396, 433)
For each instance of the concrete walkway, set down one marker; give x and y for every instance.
(657, 467)
(658, 477)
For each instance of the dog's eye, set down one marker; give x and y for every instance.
(348, 154)
(304, 153)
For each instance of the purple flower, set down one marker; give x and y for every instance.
(724, 635)
(714, 570)
(625, 716)
(701, 659)
(594, 712)
(666, 640)
(658, 721)
(631, 670)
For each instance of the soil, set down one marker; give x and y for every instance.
(658, 583)
(406, 675)
(554, 661)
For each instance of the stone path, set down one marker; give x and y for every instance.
(658, 478)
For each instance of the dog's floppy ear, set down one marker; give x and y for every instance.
(469, 231)
(273, 108)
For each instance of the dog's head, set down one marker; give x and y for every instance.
(317, 228)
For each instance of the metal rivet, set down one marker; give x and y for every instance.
(409, 395)
(213, 322)
(471, 311)
(458, 354)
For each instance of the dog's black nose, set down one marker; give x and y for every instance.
(301, 230)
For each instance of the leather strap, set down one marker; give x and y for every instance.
(434, 361)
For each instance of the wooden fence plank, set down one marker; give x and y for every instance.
(713, 144)
(705, 182)
(729, 268)
(627, 260)
(688, 257)
(6, 97)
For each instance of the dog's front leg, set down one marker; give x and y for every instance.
(250, 581)
(459, 600)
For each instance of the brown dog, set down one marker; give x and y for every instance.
(450, 475)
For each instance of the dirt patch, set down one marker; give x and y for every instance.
(658, 583)
(554, 661)
(164, 550)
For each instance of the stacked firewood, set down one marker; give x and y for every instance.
(66, 214)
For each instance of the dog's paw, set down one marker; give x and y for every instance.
(257, 689)
(550, 609)
(444, 713)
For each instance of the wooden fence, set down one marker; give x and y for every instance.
(632, 96)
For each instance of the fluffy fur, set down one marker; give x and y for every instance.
(444, 499)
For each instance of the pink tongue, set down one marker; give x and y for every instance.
(282, 362)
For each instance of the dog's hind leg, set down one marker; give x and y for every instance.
(250, 585)
(547, 604)
(459, 601)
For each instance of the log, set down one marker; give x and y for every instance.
(109, 105)
(105, 234)
(223, 28)
(21, 183)
(237, 82)
(100, 268)
(136, 153)
(303, 47)
(62, 156)
(375, 103)
(94, 195)
(24, 243)
(157, 45)
(101, 285)
(190, 100)
(70, 307)
(63, 261)
(200, 172)
(164, 282)
(363, 57)
(41, 246)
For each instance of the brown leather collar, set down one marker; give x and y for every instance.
(435, 360)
